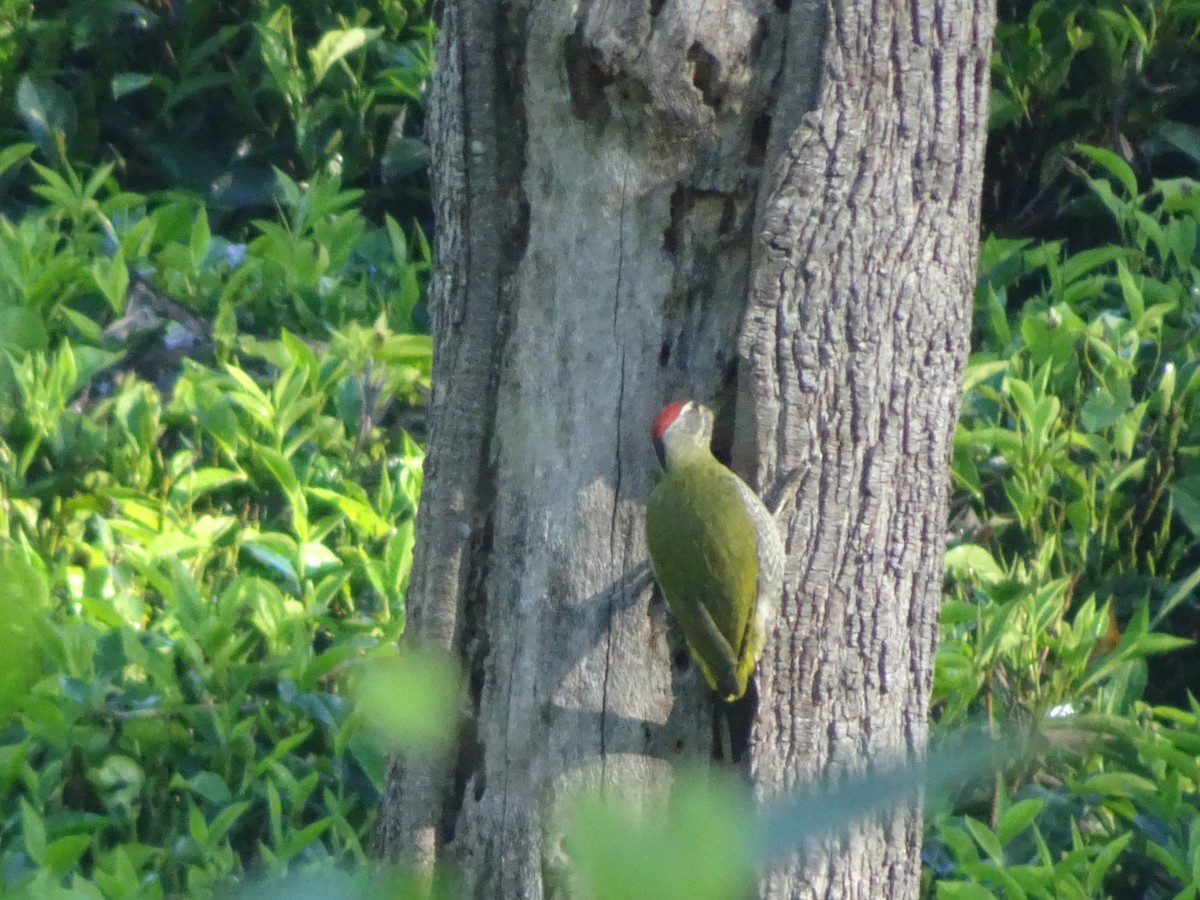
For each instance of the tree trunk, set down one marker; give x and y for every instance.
(648, 200)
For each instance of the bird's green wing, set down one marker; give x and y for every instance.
(703, 547)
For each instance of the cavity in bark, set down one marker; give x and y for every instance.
(760, 133)
(679, 209)
(706, 74)
(587, 77)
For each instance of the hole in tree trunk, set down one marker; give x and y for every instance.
(587, 78)
(706, 73)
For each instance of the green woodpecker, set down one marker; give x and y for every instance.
(716, 551)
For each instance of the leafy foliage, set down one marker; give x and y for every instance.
(1073, 566)
(1077, 554)
(211, 561)
(210, 96)
(207, 488)
(1104, 72)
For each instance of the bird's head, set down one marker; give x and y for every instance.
(681, 428)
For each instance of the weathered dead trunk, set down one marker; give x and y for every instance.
(637, 202)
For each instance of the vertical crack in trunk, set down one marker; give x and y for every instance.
(618, 583)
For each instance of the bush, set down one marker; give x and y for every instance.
(197, 565)
(1076, 549)
(208, 97)
(1119, 75)
(207, 488)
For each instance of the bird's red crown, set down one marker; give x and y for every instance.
(664, 419)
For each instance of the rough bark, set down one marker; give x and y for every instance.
(855, 338)
(638, 201)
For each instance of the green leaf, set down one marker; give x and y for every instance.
(1185, 502)
(127, 82)
(14, 154)
(24, 638)
(396, 238)
(1100, 411)
(1077, 265)
(203, 481)
(315, 556)
(22, 330)
(298, 840)
(1135, 26)
(979, 372)
(112, 278)
(993, 873)
(1150, 231)
(121, 878)
(33, 831)
(963, 890)
(972, 561)
(197, 827)
(281, 468)
(173, 544)
(358, 513)
(280, 750)
(63, 854)
(997, 320)
(1116, 166)
(250, 395)
(1002, 439)
(225, 819)
(1051, 336)
(1038, 413)
(964, 470)
(200, 239)
(1132, 470)
(704, 834)
(336, 44)
(1127, 429)
(211, 787)
(1134, 301)
(959, 842)
(1182, 591)
(49, 113)
(1182, 136)
(275, 812)
(409, 700)
(277, 46)
(275, 551)
(1017, 818)
(1154, 642)
(1118, 784)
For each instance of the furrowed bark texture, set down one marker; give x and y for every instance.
(636, 202)
(855, 338)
